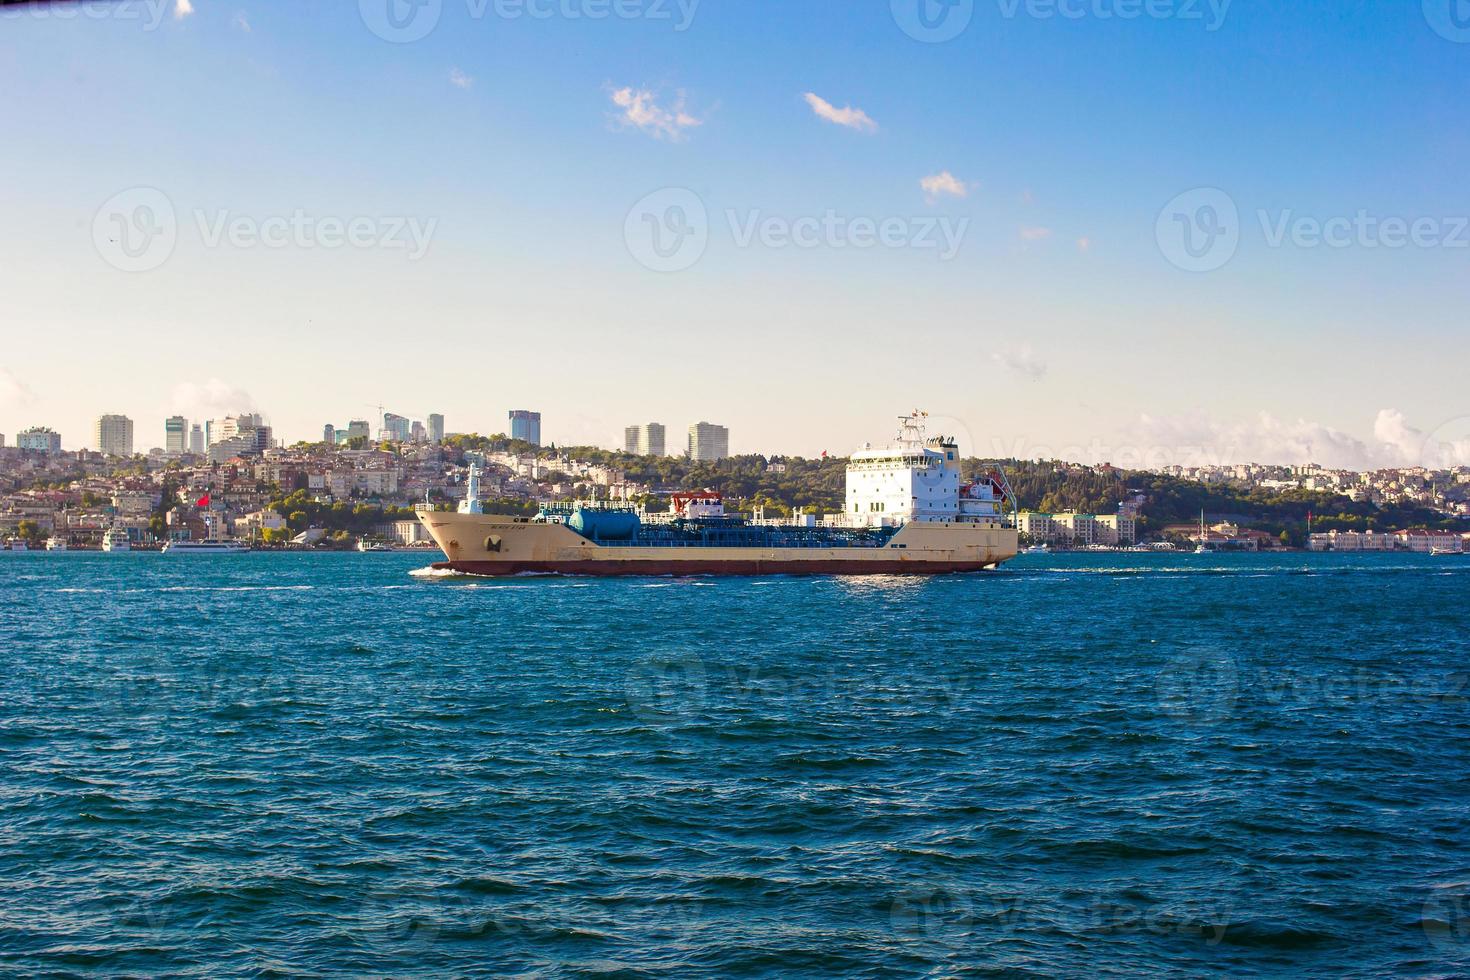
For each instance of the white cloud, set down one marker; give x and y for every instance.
(942, 183)
(1196, 440)
(1022, 360)
(1084, 244)
(212, 399)
(846, 116)
(1029, 234)
(459, 79)
(239, 23)
(182, 9)
(640, 109)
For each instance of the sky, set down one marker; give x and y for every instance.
(1137, 231)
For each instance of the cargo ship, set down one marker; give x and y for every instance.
(906, 511)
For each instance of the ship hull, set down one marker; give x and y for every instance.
(489, 545)
(713, 566)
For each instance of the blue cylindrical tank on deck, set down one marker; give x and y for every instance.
(604, 525)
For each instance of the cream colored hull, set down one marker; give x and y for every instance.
(485, 544)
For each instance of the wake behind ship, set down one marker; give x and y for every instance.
(906, 512)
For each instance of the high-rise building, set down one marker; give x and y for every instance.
(176, 434)
(196, 440)
(708, 442)
(246, 430)
(40, 439)
(436, 428)
(417, 432)
(396, 428)
(645, 440)
(329, 434)
(358, 429)
(526, 426)
(113, 435)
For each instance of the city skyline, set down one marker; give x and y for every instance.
(1066, 317)
(1402, 446)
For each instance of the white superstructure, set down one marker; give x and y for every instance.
(916, 479)
(471, 502)
(115, 540)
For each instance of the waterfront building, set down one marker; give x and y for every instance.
(176, 435)
(708, 442)
(436, 428)
(1425, 540)
(644, 440)
(526, 426)
(1352, 541)
(113, 435)
(1080, 529)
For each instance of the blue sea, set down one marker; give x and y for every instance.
(1081, 765)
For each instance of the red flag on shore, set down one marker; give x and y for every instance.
(203, 501)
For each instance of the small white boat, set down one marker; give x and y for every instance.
(365, 545)
(116, 539)
(1443, 552)
(1203, 547)
(55, 543)
(1037, 549)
